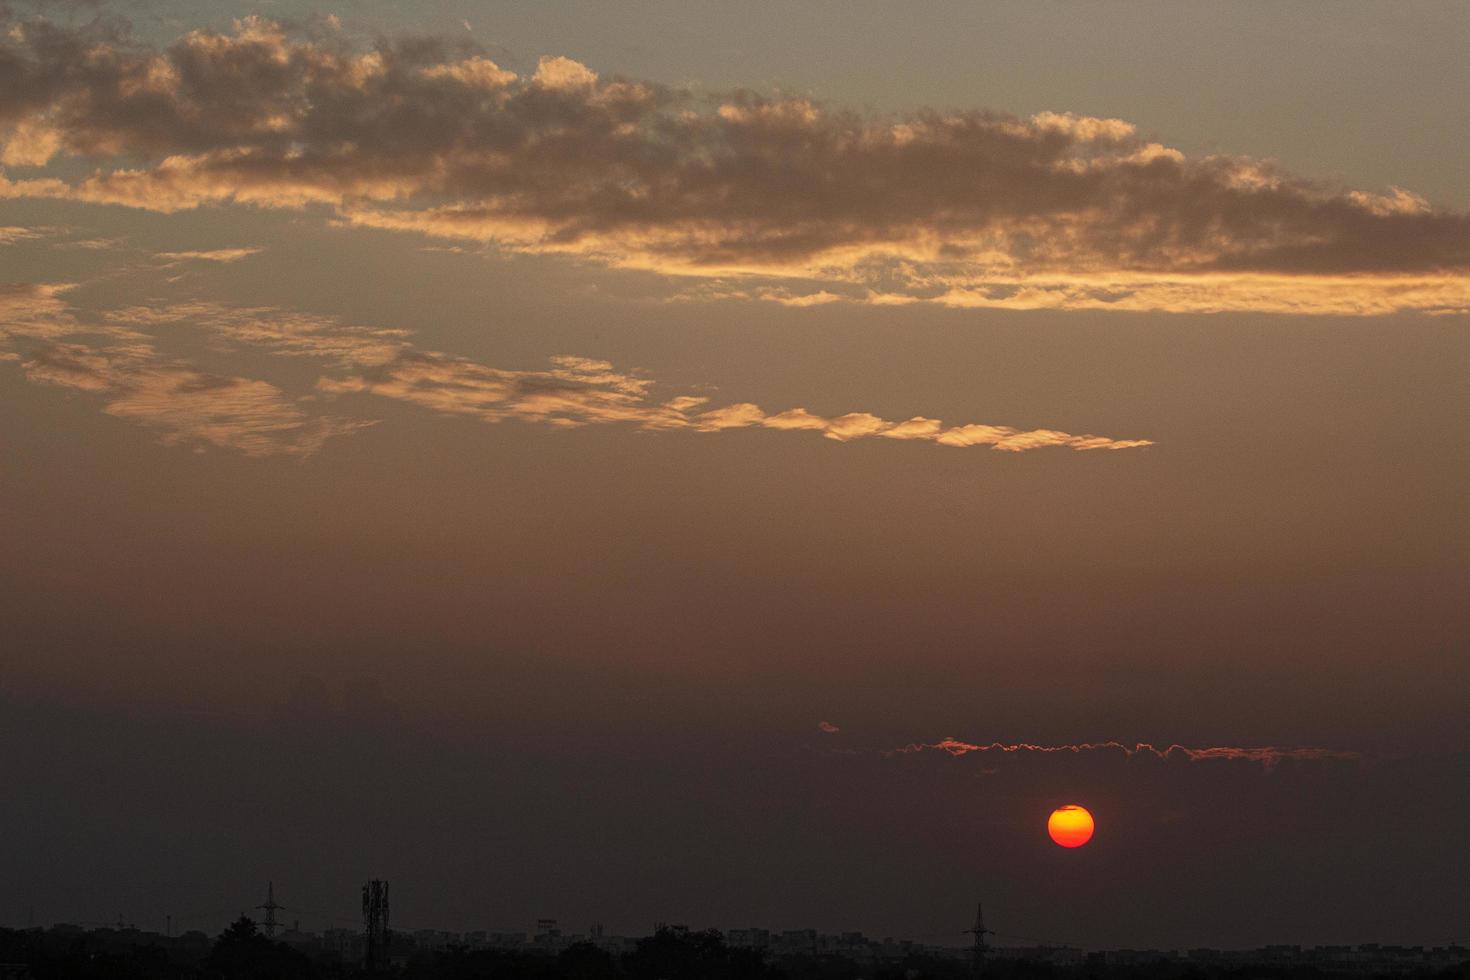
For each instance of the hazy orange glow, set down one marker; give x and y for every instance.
(1070, 825)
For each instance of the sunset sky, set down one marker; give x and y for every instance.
(738, 464)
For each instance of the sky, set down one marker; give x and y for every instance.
(737, 465)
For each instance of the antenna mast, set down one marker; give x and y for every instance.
(375, 925)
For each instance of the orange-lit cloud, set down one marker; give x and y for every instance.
(1268, 756)
(186, 406)
(576, 392)
(10, 234)
(283, 332)
(121, 354)
(120, 363)
(793, 201)
(221, 256)
(35, 310)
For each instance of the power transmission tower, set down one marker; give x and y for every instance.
(978, 951)
(375, 924)
(271, 908)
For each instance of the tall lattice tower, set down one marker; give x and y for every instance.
(978, 951)
(270, 908)
(375, 924)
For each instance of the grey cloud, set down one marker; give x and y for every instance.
(961, 208)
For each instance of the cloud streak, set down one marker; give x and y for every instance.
(221, 256)
(1267, 756)
(964, 209)
(187, 406)
(10, 234)
(122, 364)
(121, 356)
(578, 391)
(35, 310)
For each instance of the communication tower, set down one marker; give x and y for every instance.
(375, 924)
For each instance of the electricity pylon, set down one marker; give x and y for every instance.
(978, 951)
(271, 908)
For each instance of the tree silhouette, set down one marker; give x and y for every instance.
(242, 953)
(671, 954)
(584, 961)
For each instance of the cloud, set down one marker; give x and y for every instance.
(965, 209)
(30, 143)
(10, 234)
(223, 256)
(1268, 756)
(576, 392)
(187, 406)
(93, 244)
(121, 355)
(35, 310)
(57, 236)
(564, 74)
(283, 332)
(139, 383)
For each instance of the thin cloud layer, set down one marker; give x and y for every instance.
(10, 234)
(221, 256)
(187, 406)
(577, 391)
(958, 208)
(1268, 756)
(122, 357)
(34, 310)
(282, 332)
(123, 365)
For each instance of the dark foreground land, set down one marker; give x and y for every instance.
(241, 952)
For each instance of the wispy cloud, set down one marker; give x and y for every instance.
(10, 234)
(93, 244)
(187, 406)
(56, 236)
(221, 256)
(577, 391)
(120, 353)
(809, 202)
(1268, 756)
(35, 310)
(121, 364)
(287, 333)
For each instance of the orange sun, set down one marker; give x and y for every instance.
(1070, 825)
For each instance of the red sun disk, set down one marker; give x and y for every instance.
(1070, 825)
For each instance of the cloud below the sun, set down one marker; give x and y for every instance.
(1267, 756)
(765, 197)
